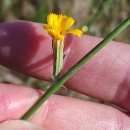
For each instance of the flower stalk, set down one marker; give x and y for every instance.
(56, 85)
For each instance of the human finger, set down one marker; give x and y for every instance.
(60, 112)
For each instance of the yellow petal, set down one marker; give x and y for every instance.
(52, 19)
(76, 32)
(49, 19)
(60, 17)
(66, 23)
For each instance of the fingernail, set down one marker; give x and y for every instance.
(19, 125)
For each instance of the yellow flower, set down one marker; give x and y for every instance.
(58, 26)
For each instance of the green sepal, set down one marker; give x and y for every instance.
(58, 47)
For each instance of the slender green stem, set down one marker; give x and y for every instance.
(56, 85)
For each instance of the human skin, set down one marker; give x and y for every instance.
(26, 48)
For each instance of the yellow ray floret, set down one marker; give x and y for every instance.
(58, 26)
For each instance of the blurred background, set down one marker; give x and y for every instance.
(101, 17)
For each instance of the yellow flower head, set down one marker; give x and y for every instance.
(58, 26)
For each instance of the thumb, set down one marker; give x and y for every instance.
(19, 125)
